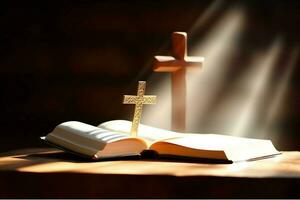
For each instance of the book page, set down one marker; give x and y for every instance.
(83, 138)
(233, 148)
(195, 144)
(213, 141)
(148, 133)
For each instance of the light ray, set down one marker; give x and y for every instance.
(218, 48)
(160, 114)
(276, 105)
(256, 81)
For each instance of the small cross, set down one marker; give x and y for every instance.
(177, 64)
(138, 100)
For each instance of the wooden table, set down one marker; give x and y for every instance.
(51, 173)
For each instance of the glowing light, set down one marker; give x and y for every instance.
(257, 81)
(218, 48)
(276, 105)
(251, 102)
(219, 44)
(160, 114)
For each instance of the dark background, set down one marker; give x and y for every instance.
(73, 60)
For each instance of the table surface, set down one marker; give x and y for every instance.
(281, 172)
(51, 160)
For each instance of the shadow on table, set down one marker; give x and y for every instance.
(145, 156)
(70, 157)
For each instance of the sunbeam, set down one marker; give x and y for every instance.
(255, 84)
(217, 47)
(160, 114)
(276, 106)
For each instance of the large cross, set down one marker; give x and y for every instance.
(138, 100)
(176, 64)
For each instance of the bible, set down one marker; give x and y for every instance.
(112, 139)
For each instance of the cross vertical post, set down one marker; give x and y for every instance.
(138, 100)
(177, 65)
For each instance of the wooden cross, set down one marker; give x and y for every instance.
(138, 100)
(176, 64)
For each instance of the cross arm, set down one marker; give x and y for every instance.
(170, 64)
(149, 99)
(130, 99)
(194, 60)
(166, 64)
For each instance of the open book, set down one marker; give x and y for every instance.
(112, 139)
